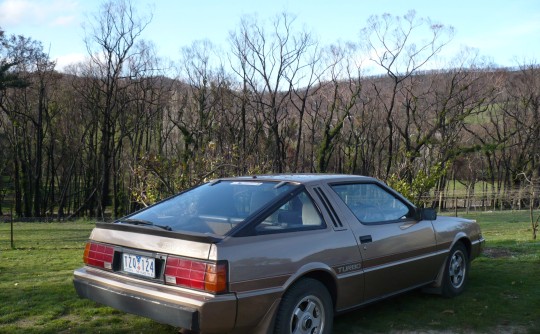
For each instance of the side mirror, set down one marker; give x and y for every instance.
(426, 214)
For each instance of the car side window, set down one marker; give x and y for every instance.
(299, 213)
(370, 203)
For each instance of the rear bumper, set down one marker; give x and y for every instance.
(164, 304)
(161, 312)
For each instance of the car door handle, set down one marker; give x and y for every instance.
(365, 239)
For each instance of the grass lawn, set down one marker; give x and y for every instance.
(36, 289)
(37, 295)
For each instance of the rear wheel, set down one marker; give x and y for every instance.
(456, 272)
(305, 308)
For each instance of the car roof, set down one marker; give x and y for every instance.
(304, 178)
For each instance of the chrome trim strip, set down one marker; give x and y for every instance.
(407, 260)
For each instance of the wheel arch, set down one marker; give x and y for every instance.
(464, 239)
(300, 291)
(436, 286)
(322, 274)
(327, 280)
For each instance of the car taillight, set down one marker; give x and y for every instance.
(210, 277)
(98, 255)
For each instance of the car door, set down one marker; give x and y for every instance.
(293, 239)
(398, 251)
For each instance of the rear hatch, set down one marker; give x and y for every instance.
(151, 254)
(174, 241)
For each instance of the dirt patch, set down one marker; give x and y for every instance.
(495, 253)
(498, 330)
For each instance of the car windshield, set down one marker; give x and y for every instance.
(213, 208)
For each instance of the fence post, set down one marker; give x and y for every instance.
(11, 223)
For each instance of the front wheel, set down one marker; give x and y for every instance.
(456, 271)
(305, 308)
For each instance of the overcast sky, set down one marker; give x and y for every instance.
(505, 31)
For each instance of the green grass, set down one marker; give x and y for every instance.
(36, 289)
(484, 117)
(37, 295)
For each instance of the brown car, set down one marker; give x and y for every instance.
(274, 254)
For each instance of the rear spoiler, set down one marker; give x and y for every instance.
(206, 238)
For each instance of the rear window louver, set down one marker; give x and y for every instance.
(331, 212)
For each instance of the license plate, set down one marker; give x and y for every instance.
(140, 265)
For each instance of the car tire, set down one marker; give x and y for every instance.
(305, 308)
(456, 272)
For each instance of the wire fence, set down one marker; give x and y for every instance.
(485, 200)
(448, 200)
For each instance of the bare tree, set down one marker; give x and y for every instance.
(305, 84)
(111, 41)
(268, 61)
(24, 83)
(522, 108)
(533, 188)
(339, 99)
(399, 47)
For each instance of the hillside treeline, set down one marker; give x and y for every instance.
(125, 128)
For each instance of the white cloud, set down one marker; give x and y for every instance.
(64, 20)
(62, 62)
(15, 13)
(12, 12)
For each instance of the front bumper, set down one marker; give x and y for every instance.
(164, 304)
(477, 248)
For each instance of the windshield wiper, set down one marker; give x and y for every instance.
(144, 223)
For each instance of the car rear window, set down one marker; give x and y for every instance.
(213, 208)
